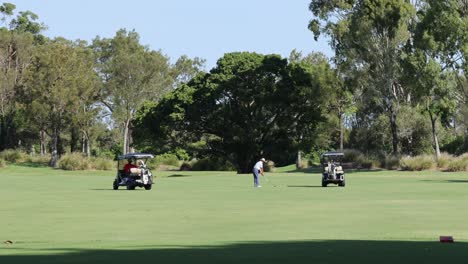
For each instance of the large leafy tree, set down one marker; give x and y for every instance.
(131, 74)
(435, 57)
(17, 40)
(368, 37)
(249, 105)
(61, 70)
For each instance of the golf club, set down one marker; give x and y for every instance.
(274, 185)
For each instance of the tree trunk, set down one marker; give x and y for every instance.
(299, 160)
(394, 129)
(43, 143)
(434, 136)
(85, 147)
(54, 157)
(125, 137)
(60, 145)
(88, 147)
(130, 139)
(83, 143)
(74, 145)
(341, 131)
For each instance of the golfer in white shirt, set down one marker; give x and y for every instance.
(258, 168)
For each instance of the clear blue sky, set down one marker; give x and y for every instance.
(202, 28)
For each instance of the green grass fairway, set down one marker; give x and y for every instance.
(53, 216)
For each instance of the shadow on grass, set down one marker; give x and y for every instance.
(177, 176)
(305, 186)
(319, 170)
(331, 251)
(121, 188)
(457, 181)
(446, 181)
(305, 170)
(351, 171)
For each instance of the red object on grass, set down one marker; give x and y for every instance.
(446, 239)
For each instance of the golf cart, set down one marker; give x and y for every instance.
(332, 169)
(136, 176)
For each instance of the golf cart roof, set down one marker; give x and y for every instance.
(333, 154)
(135, 156)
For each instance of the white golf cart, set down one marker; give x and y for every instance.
(137, 176)
(332, 168)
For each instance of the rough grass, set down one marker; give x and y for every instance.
(444, 160)
(418, 163)
(13, 156)
(458, 164)
(76, 161)
(56, 216)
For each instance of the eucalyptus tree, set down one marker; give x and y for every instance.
(186, 68)
(59, 73)
(368, 36)
(86, 111)
(17, 40)
(130, 74)
(436, 58)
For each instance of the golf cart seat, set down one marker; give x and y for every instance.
(338, 168)
(135, 171)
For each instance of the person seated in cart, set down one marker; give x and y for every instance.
(129, 166)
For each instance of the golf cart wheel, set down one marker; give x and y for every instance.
(130, 187)
(115, 185)
(342, 184)
(324, 184)
(148, 186)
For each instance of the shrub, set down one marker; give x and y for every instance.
(186, 166)
(38, 159)
(212, 164)
(167, 159)
(458, 165)
(367, 162)
(444, 160)
(106, 154)
(74, 161)
(464, 156)
(391, 162)
(352, 155)
(305, 163)
(13, 156)
(2, 163)
(103, 164)
(418, 163)
(270, 166)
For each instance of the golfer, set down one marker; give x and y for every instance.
(258, 168)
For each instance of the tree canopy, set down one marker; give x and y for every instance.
(249, 105)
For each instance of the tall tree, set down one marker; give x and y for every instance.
(16, 52)
(131, 74)
(369, 36)
(435, 58)
(86, 109)
(248, 105)
(59, 71)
